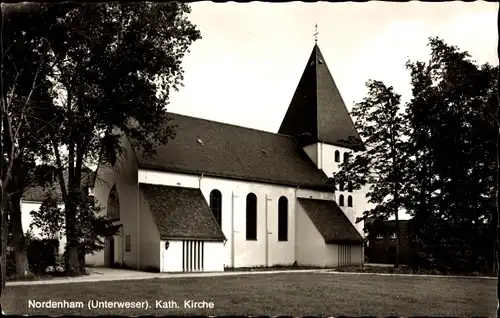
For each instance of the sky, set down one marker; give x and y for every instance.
(246, 67)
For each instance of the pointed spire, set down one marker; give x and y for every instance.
(317, 109)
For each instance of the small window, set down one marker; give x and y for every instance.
(349, 186)
(127, 243)
(346, 156)
(349, 201)
(337, 156)
(341, 200)
(341, 186)
(251, 228)
(283, 219)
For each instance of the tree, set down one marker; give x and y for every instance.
(382, 166)
(24, 66)
(117, 63)
(452, 150)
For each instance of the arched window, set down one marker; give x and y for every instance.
(341, 186)
(216, 205)
(251, 217)
(113, 208)
(337, 156)
(283, 219)
(349, 186)
(341, 200)
(346, 156)
(349, 201)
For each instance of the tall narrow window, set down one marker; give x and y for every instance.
(341, 186)
(283, 219)
(113, 208)
(251, 217)
(349, 201)
(216, 205)
(127, 243)
(341, 200)
(349, 186)
(337, 156)
(346, 156)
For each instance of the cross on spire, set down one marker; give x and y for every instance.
(316, 33)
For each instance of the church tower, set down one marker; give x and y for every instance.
(318, 118)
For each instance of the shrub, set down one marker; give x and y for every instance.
(11, 263)
(42, 254)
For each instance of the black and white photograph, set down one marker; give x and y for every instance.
(249, 159)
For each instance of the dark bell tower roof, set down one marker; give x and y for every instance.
(317, 112)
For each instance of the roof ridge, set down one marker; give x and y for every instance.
(232, 125)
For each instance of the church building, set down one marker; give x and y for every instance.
(220, 195)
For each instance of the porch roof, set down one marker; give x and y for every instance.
(331, 221)
(181, 213)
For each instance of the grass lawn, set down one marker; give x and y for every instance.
(294, 294)
(403, 270)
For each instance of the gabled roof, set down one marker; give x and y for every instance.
(330, 221)
(382, 227)
(38, 193)
(181, 213)
(216, 149)
(317, 108)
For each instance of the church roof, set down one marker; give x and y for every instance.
(318, 110)
(181, 213)
(330, 221)
(222, 150)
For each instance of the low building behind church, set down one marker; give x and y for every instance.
(35, 195)
(220, 195)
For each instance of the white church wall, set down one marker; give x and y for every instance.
(149, 237)
(314, 194)
(181, 256)
(357, 255)
(266, 250)
(171, 259)
(311, 247)
(105, 179)
(313, 251)
(27, 219)
(128, 196)
(238, 252)
(124, 176)
(173, 179)
(213, 253)
(328, 164)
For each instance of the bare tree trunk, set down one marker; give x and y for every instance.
(18, 239)
(398, 240)
(5, 232)
(72, 260)
(70, 215)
